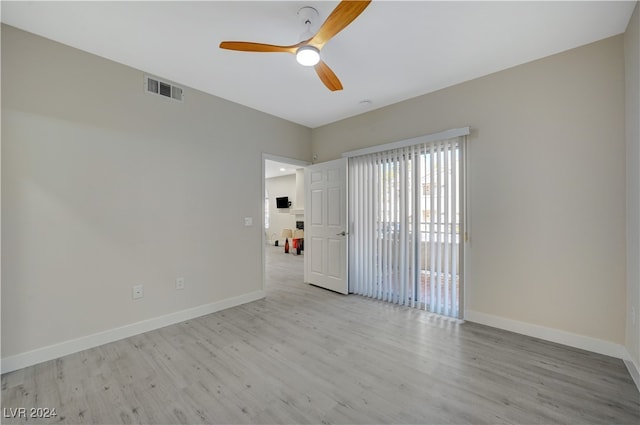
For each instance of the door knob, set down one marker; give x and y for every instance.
(343, 233)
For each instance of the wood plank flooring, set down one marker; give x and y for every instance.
(307, 355)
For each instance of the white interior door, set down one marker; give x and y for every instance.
(325, 230)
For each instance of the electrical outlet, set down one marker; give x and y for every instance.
(248, 221)
(179, 283)
(137, 292)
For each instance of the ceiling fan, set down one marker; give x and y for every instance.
(308, 51)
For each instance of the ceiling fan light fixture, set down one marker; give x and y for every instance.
(307, 51)
(308, 55)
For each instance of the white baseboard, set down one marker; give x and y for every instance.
(633, 368)
(54, 351)
(549, 334)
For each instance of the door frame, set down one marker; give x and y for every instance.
(286, 160)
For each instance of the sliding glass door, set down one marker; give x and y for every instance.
(406, 216)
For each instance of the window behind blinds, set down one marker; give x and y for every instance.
(406, 215)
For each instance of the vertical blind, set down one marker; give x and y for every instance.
(406, 213)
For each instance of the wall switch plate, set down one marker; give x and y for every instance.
(248, 221)
(137, 292)
(179, 283)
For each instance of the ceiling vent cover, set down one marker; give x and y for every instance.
(156, 86)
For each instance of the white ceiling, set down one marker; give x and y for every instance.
(394, 51)
(277, 169)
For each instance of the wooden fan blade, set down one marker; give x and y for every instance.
(327, 76)
(341, 16)
(246, 46)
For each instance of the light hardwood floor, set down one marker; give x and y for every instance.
(306, 355)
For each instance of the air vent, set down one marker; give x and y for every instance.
(162, 88)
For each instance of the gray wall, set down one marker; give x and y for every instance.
(546, 186)
(105, 186)
(632, 74)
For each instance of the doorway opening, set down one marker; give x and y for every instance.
(283, 222)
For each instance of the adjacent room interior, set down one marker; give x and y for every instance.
(143, 194)
(283, 221)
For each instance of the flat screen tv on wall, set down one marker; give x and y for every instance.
(283, 202)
